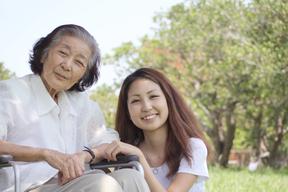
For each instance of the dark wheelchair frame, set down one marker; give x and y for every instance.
(123, 161)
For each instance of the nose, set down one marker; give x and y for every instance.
(146, 105)
(67, 64)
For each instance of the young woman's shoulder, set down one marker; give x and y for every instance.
(198, 145)
(196, 141)
(198, 162)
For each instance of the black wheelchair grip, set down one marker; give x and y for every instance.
(120, 159)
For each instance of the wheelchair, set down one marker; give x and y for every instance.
(123, 161)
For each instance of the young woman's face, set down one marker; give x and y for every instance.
(65, 63)
(147, 105)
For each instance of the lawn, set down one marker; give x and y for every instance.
(241, 180)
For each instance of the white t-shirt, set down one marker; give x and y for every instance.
(198, 167)
(29, 116)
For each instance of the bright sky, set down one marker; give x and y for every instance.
(111, 22)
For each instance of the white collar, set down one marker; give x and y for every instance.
(44, 102)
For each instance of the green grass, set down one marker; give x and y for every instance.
(241, 180)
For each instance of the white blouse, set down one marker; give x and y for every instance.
(29, 116)
(198, 167)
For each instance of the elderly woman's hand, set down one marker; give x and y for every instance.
(70, 166)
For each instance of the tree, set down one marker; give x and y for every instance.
(201, 48)
(106, 97)
(221, 55)
(5, 73)
(269, 29)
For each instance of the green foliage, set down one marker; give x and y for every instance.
(5, 73)
(241, 180)
(106, 97)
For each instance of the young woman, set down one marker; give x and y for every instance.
(155, 124)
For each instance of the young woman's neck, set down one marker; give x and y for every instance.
(155, 141)
(153, 147)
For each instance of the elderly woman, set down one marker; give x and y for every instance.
(48, 121)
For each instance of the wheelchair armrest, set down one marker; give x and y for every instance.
(120, 159)
(5, 161)
(123, 161)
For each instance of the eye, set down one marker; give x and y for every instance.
(80, 63)
(134, 101)
(154, 96)
(62, 53)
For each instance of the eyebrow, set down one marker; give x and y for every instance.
(146, 92)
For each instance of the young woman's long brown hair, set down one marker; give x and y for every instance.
(181, 122)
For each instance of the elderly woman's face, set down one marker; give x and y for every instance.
(65, 63)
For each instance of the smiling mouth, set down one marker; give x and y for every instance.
(61, 76)
(149, 117)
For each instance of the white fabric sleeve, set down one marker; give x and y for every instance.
(198, 165)
(3, 130)
(97, 132)
(4, 111)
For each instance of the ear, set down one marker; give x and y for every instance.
(42, 59)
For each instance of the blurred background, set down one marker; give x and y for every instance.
(229, 60)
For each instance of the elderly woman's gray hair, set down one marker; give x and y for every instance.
(42, 47)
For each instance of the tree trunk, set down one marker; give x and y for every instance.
(216, 134)
(231, 128)
(279, 134)
(257, 133)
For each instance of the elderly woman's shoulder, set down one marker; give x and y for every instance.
(82, 102)
(15, 84)
(80, 99)
(76, 95)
